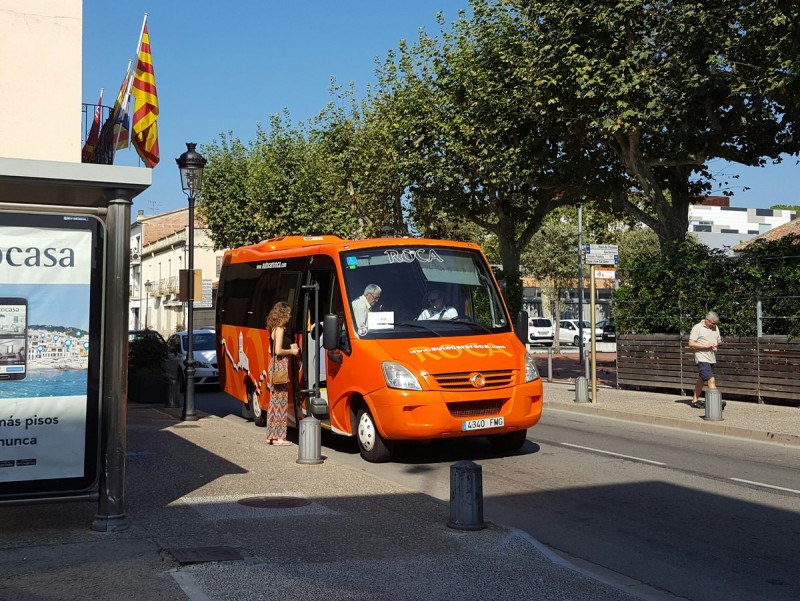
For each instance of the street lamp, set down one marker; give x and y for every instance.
(148, 285)
(191, 164)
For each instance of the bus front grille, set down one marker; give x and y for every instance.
(464, 380)
(467, 409)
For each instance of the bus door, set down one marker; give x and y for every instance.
(320, 296)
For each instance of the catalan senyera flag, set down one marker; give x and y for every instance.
(145, 129)
(87, 154)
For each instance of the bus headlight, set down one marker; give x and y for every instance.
(397, 376)
(531, 373)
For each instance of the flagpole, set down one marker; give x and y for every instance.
(141, 35)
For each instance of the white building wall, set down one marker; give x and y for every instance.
(40, 79)
(735, 219)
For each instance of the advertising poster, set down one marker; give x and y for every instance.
(48, 366)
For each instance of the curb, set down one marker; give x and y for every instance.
(701, 426)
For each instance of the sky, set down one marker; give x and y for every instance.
(226, 67)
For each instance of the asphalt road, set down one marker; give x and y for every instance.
(703, 517)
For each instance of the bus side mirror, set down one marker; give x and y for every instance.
(330, 332)
(521, 328)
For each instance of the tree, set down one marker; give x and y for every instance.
(663, 87)
(470, 148)
(311, 178)
(552, 259)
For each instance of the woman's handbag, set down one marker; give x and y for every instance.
(280, 370)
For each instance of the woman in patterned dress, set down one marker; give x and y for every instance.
(281, 349)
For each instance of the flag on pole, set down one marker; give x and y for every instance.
(145, 130)
(87, 154)
(114, 133)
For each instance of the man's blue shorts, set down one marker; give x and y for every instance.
(706, 371)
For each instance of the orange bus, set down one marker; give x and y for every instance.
(401, 339)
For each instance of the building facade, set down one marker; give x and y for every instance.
(159, 251)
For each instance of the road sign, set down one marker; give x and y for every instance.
(206, 301)
(605, 274)
(602, 254)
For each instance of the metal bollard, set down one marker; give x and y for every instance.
(174, 395)
(581, 390)
(586, 361)
(309, 443)
(466, 496)
(714, 404)
(550, 364)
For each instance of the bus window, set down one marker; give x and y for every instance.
(409, 280)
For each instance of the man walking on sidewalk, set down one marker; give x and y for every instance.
(704, 339)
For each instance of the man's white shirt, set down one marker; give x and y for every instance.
(444, 313)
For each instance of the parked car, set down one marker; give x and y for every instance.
(204, 349)
(134, 335)
(609, 331)
(568, 332)
(540, 331)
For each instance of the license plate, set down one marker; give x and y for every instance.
(482, 424)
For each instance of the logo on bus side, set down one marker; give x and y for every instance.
(271, 265)
(455, 351)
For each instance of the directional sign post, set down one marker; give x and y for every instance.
(602, 254)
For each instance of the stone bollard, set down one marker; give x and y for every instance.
(714, 405)
(466, 496)
(581, 390)
(309, 443)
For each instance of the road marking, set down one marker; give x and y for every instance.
(797, 492)
(566, 444)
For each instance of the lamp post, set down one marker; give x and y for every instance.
(580, 286)
(191, 164)
(147, 286)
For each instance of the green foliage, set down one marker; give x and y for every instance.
(663, 87)
(321, 177)
(668, 294)
(469, 149)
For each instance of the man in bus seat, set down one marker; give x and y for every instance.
(364, 303)
(437, 309)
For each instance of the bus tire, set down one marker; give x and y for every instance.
(372, 446)
(259, 415)
(509, 443)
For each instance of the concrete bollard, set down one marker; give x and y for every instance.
(714, 404)
(309, 444)
(550, 364)
(581, 390)
(466, 496)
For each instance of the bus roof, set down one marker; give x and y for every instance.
(337, 244)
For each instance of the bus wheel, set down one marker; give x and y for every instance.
(509, 443)
(371, 444)
(259, 415)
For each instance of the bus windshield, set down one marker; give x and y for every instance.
(421, 292)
